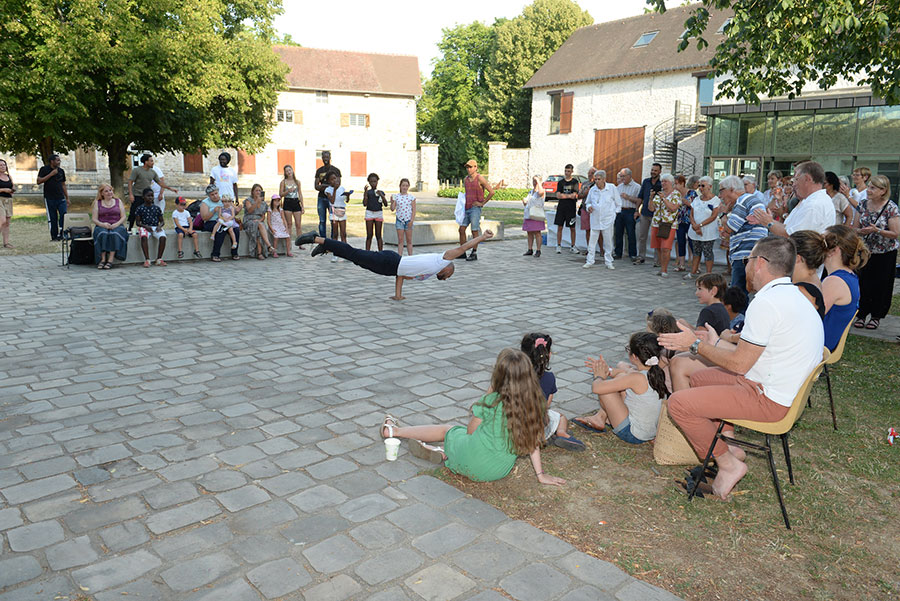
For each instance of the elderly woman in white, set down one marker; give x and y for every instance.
(603, 202)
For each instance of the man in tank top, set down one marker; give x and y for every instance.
(478, 193)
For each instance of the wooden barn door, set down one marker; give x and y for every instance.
(615, 149)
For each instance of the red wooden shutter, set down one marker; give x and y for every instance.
(246, 162)
(193, 162)
(357, 164)
(565, 113)
(285, 157)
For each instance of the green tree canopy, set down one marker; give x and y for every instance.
(450, 98)
(475, 91)
(774, 47)
(166, 75)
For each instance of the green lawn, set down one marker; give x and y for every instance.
(620, 506)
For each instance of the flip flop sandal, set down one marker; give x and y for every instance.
(704, 489)
(390, 422)
(873, 324)
(588, 427)
(101, 265)
(426, 451)
(859, 323)
(107, 266)
(180, 254)
(694, 473)
(570, 444)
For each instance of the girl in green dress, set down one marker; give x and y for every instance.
(508, 421)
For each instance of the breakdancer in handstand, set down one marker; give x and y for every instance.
(387, 262)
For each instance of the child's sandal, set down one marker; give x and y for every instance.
(180, 254)
(390, 422)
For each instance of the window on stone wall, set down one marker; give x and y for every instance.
(565, 112)
(284, 116)
(359, 120)
(555, 102)
(322, 97)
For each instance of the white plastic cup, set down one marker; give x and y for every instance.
(391, 448)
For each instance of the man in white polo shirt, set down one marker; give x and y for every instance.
(387, 262)
(780, 345)
(814, 212)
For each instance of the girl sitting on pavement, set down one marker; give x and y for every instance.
(508, 421)
(537, 347)
(630, 400)
(276, 219)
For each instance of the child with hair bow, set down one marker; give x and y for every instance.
(630, 399)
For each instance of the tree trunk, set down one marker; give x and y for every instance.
(45, 147)
(117, 153)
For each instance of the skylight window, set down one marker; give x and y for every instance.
(645, 39)
(724, 25)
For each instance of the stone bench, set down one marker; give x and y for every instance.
(446, 231)
(135, 255)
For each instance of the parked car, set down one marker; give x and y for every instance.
(552, 180)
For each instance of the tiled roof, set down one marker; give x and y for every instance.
(344, 71)
(605, 50)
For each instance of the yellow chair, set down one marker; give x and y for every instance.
(780, 428)
(836, 355)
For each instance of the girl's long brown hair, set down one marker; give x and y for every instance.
(524, 405)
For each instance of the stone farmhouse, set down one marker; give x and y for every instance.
(360, 106)
(618, 94)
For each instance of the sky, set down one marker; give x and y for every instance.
(410, 26)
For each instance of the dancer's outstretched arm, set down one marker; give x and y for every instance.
(460, 250)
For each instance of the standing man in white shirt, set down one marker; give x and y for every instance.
(629, 193)
(815, 211)
(159, 194)
(758, 379)
(603, 204)
(224, 177)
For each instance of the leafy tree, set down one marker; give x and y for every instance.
(166, 75)
(774, 47)
(475, 92)
(522, 45)
(450, 98)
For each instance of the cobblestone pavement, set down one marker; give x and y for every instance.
(208, 431)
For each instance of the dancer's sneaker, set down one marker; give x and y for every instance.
(318, 250)
(307, 238)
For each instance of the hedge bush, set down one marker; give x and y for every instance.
(504, 194)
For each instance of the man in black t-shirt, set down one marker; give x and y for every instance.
(320, 184)
(566, 195)
(56, 193)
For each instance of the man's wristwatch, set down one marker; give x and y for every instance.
(769, 226)
(694, 347)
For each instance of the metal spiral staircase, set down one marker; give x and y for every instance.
(668, 133)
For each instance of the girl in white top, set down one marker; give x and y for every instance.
(404, 205)
(704, 230)
(630, 400)
(337, 197)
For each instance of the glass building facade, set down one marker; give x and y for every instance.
(746, 139)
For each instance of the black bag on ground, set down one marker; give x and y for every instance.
(81, 252)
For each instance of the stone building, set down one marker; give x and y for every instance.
(360, 106)
(619, 94)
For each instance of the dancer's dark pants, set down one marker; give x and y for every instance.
(383, 262)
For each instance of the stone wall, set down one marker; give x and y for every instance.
(512, 165)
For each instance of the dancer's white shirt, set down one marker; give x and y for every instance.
(422, 267)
